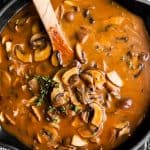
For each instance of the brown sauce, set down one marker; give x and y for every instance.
(109, 78)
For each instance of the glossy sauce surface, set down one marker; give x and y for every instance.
(113, 41)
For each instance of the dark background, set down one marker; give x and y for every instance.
(3, 2)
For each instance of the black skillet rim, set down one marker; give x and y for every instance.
(142, 134)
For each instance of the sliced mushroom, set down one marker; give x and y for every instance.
(78, 141)
(56, 59)
(98, 78)
(96, 139)
(10, 120)
(20, 23)
(5, 38)
(87, 78)
(2, 118)
(111, 87)
(141, 67)
(77, 64)
(15, 112)
(59, 89)
(36, 113)
(125, 103)
(116, 94)
(36, 28)
(68, 74)
(85, 116)
(41, 55)
(38, 41)
(8, 46)
(34, 85)
(59, 100)
(21, 55)
(122, 128)
(31, 101)
(74, 80)
(105, 66)
(144, 57)
(115, 78)
(39, 138)
(51, 132)
(80, 93)
(73, 98)
(99, 114)
(81, 56)
(82, 35)
(68, 2)
(124, 131)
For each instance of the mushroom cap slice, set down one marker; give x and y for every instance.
(38, 41)
(115, 78)
(80, 54)
(73, 98)
(36, 112)
(99, 114)
(41, 55)
(52, 134)
(8, 46)
(60, 99)
(98, 77)
(78, 141)
(66, 76)
(87, 77)
(59, 89)
(112, 87)
(26, 58)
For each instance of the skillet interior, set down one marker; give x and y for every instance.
(142, 133)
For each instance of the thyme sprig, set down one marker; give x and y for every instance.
(46, 84)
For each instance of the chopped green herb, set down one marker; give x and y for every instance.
(62, 109)
(51, 109)
(74, 108)
(46, 83)
(130, 64)
(56, 119)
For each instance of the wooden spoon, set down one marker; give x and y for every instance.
(49, 19)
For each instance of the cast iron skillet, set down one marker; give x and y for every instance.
(140, 140)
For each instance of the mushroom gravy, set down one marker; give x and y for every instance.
(94, 103)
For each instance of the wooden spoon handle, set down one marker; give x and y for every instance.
(46, 13)
(49, 19)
